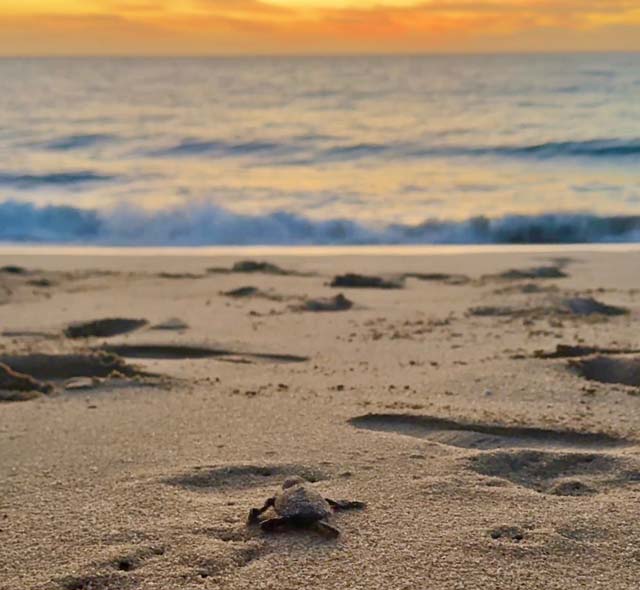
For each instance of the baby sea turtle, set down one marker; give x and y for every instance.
(300, 506)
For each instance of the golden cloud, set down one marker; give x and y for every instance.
(278, 26)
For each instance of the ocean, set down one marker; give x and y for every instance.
(320, 151)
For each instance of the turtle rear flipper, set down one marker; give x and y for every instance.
(345, 504)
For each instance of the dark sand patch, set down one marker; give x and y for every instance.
(242, 476)
(577, 307)
(257, 266)
(624, 371)
(15, 386)
(526, 289)
(536, 272)
(571, 351)
(590, 306)
(12, 269)
(103, 328)
(172, 324)
(180, 275)
(68, 366)
(449, 279)
(184, 352)
(43, 283)
(322, 304)
(509, 533)
(356, 281)
(482, 436)
(493, 311)
(27, 334)
(251, 293)
(560, 474)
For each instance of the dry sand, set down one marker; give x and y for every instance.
(483, 464)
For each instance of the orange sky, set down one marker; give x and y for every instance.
(214, 27)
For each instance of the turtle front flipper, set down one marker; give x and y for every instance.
(345, 504)
(254, 513)
(326, 530)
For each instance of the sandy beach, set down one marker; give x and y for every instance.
(485, 406)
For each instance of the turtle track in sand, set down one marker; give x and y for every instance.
(242, 476)
(110, 581)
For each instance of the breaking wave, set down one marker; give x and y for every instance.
(206, 224)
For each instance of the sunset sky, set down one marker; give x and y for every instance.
(221, 27)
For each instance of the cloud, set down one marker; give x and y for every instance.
(260, 26)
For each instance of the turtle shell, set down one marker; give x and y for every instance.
(301, 503)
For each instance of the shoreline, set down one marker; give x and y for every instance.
(314, 251)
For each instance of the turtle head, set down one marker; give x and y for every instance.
(292, 481)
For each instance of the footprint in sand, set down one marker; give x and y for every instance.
(24, 377)
(257, 267)
(574, 307)
(113, 574)
(240, 476)
(183, 352)
(356, 281)
(66, 366)
(623, 371)
(103, 328)
(135, 559)
(16, 386)
(252, 293)
(239, 556)
(541, 459)
(536, 272)
(325, 304)
(438, 277)
(510, 533)
(483, 436)
(587, 306)
(570, 351)
(559, 474)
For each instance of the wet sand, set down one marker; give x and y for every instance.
(495, 449)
